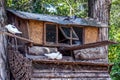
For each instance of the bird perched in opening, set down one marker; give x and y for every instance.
(56, 55)
(12, 29)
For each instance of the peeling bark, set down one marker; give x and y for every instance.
(100, 10)
(3, 60)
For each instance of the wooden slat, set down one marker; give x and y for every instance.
(11, 35)
(72, 62)
(70, 78)
(71, 75)
(90, 45)
(68, 71)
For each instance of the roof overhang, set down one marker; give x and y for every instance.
(58, 19)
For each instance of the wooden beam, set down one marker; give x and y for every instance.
(11, 35)
(71, 62)
(90, 45)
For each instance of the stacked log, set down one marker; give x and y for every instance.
(37, 50)
(90, 54)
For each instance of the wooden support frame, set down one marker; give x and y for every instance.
(57, 34)
(71, 30)
(71, 37)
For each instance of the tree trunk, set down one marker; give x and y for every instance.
(3, 61)
(100, 10)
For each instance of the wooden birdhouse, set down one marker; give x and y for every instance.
(55, 30)
(66, 34)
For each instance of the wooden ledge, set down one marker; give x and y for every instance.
(73, 63)
(89, 45)
(12, 35)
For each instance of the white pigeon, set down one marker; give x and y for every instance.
(12, 29)
(56, 55)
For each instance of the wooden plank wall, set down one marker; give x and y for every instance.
(21, 24)
(24, 28)
(51, 71)
(91, 34)
(36, 31)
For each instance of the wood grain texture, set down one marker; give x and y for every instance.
(36, 31)
(100, 10)
(3, 42)
(91, 34)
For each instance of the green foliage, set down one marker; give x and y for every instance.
(114, 34)
(24, 5)
(53, 7)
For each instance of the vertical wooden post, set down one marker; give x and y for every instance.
(57, 33)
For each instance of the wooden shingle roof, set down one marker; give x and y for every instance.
(58, 19)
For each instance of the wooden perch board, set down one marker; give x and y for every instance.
(90, 45)
(72, 62)
(9, 34)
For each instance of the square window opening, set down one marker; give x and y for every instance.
(50, 33)
(79, 32)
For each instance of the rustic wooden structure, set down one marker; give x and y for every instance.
(39, 28)
(57, 31)
(23, 68)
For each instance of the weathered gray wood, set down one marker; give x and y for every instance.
(90, 54)
(71, 75)
(64, 62)
(89, 45)
(69, 71)
(37, 50)
(99, 10)
(3, 61)
(70, 79)
(11, 35)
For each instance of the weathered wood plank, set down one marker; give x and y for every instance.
(72, 62)
(9, 34)
(71, 75)
(70, 79)
(90, 45)
(69, 71)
